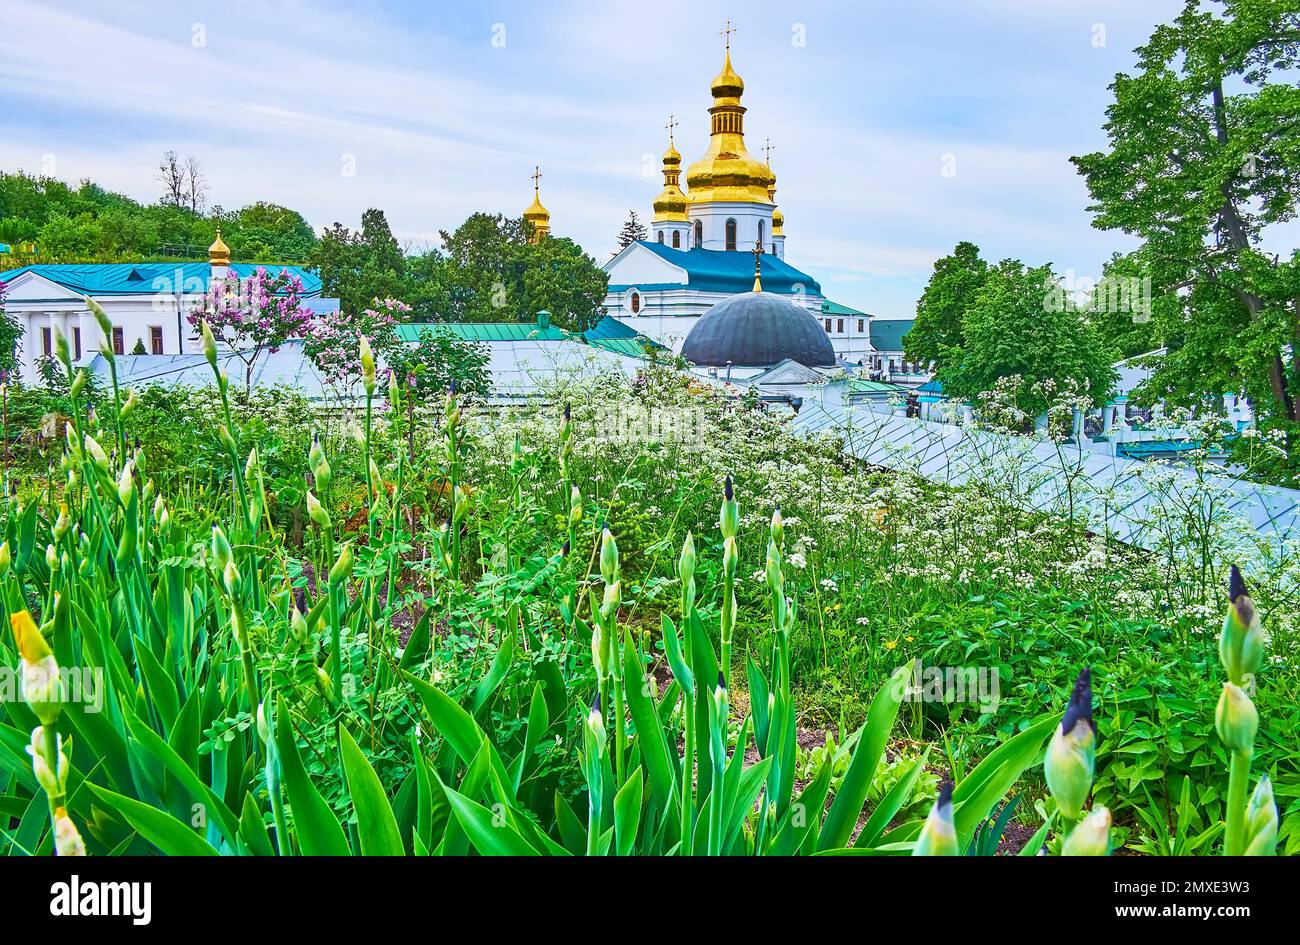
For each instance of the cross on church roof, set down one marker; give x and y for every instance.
(727, 32)
(758, 265)
(672, 123)
(768, 148)
(537, 175)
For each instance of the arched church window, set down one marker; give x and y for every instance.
(677, 239)
(636, 302)
(661, 236)
(699, 232)
(731, 235)
(760, 231)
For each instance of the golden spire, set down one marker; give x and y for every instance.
(758, 266)
(670, 205)
(728, 172)
(536, 214)
(219, 252)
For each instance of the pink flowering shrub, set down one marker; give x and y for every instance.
(335, 342)
(256, 314)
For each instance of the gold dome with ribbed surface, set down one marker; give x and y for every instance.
(728, 172)
(219, 252)
(536, 214)
(670, 205)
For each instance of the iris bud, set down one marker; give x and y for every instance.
(686, 563)
(1242, 641)
(730, 558)
(40, 671)
(67, 841)
(316, 512)
(367, 366)
(575, 507)
(1071, 755)
(938, 835)
(343, 566)
(1236, 719)
(729, 518)
(1261, 820)
(1091, 837)
(608, 556)
(209, 343)
(221, 553)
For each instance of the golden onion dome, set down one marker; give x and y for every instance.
(727, 84)
(728, 172)
(778, 218)
(219, 252)
(670, 205)
(536, 214)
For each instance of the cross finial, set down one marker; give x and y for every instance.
(672, 123)
(726, 33)
(768, 148)
(537, 175)
(758, 266)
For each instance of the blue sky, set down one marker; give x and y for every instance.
(443, 109)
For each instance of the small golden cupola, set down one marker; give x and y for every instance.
(670, 205)
(536, 214)
(778, 218)
(219, 252)
(727, 172)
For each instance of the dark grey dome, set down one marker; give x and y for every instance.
(758, 329)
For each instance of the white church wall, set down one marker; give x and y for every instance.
(748, 216)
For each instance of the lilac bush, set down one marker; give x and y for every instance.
(335, 344)
(256, 314)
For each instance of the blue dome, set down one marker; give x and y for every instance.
(758, 329)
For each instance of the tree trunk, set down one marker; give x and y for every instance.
(1230, 222)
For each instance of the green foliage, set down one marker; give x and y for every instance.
(430, 365)
(1011, 328)
(492, 274)
(1201, 161)
(407, 660)
(49, 221)
(938, 328)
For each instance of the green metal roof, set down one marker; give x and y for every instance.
(485, 331)
(835, 308)
(874, 387)
(97, 279)
(609, 333)
(713, 270)
(887, 334)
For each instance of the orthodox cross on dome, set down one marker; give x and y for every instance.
(726, 33)
(672, 123)
(758, 266)
(768, 148)
(537, 175)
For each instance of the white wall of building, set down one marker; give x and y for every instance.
(39, 304)
(753, 222)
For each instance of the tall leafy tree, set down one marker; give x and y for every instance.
(1203, 157)
(1017, 325)
(492, 273)
(359, 267)
(952, 287)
